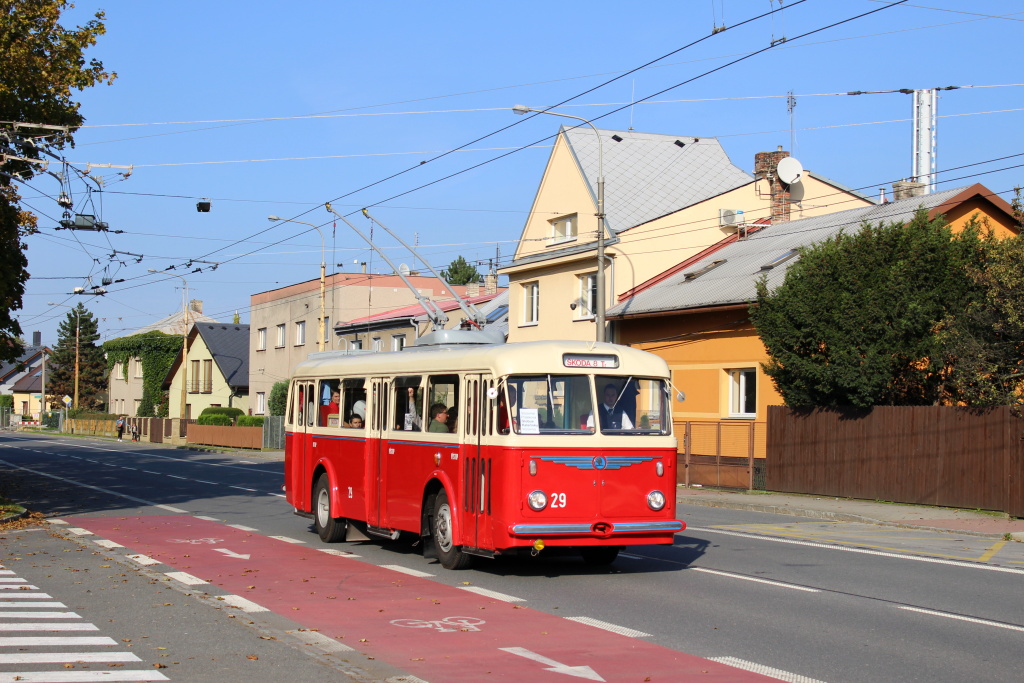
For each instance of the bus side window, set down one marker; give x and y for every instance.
(329, 400)
(299, 403)
(353, 404)
(408, 404)
(443, 390)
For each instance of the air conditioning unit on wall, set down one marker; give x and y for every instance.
(730, 219)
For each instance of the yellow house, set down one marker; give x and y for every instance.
(218, 370)
(667, 198)
(695, 316)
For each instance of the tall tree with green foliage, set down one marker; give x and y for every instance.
(43, 63)
(79, 329)
(460, 272)
(858, 319)
(278, 400)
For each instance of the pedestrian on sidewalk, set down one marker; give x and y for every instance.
(120, 426)
(135, 432)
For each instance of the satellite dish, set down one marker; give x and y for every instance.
(796, 193)
(404, 270)
(790, 171)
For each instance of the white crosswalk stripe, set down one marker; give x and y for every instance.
(26, 636)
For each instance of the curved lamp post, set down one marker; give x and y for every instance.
(599, 303)
(323, 273)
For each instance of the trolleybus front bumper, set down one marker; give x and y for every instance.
(602, 529)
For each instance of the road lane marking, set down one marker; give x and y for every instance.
(24, 605)
(108, 544)
(764, 670)
(338, 553)
(240, 527)
(144, 560)
(491, 594)
(49, 641)
(405, 570)
(79, 531)
(554, 666)
(30, 626)
(321, 641)
(754, 579)
(960, 617)
(11, 580)
(81, 676)
(862, 551)
(232, 553)
(988, 554)
(38, 615)
(170, 508)
(208, 519)
(185, 578)
(614, 628)
(62, 657)
(20, 586)
(242, 604)
(27, 596)
(288, 540)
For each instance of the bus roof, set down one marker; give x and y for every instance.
(497, 359)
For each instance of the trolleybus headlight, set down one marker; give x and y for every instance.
(660, 468)
(538, 500)
(655, 500)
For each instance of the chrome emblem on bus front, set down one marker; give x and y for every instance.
(586, 462)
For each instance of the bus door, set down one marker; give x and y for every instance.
(303, 418)
(477, 462)
(380, 389)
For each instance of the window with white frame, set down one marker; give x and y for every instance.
(281, 335)
(261, 339)
(137, 363)
(300, 332)
(743, 392)
(327, 329)
(397, 342)
(531, 303)
(587, 296)
(378, 344)
(261, 403)
(563, 229)
(355, 344)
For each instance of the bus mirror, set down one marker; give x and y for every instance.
(492, 393)
(680, 397)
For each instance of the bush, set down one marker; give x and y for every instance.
(221, 410)
(215, 419)
(51, 420)
(81, 414)
(6, 400)
(278, 400)
(250, 421)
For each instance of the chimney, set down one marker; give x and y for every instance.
(196, 306)
(490, 283)
(473, 289)
(37, 338)
(765, 164)
(905, 189)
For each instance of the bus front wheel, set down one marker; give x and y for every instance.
(450, 556)
(330, 529)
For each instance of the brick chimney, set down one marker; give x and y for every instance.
(196, 306)
(905, 189)
(765, 165)
(490, 283)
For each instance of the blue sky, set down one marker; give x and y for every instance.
(274, 108)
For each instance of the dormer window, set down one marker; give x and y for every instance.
(563, 229)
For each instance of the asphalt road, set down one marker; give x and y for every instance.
(800, 601)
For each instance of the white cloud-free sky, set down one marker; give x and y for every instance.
(275, 108)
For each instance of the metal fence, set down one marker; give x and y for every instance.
(722, 453)
(273, 432)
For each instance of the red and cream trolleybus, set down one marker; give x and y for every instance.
(484, 450)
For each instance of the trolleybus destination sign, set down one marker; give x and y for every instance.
(583, 360)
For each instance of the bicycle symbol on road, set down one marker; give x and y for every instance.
(196, 541)
(446, 625)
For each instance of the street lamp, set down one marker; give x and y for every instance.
(599, 304)
(184, 340)
(78, 329)
(323, 272)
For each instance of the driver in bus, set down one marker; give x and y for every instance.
(611, 412)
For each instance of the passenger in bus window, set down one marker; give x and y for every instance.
(411, 421)
(504, 418)
(332, 408)
(453, 419)
(355, 421)
(438, 418)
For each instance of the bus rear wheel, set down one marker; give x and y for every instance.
(330, 529)
(450, 556)
(599, 555)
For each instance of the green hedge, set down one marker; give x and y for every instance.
(250, 421)
(215, 419)
(221, 410)
(87, 415)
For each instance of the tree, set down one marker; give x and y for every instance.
(278, 400)
(460, 272)
(92, 366)
(858, 319)
(43, 63)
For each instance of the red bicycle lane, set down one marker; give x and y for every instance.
(436, 632)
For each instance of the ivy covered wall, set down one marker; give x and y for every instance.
(157, 352)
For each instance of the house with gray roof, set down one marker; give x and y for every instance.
(217, 370)
(696, 316)
(667, 198)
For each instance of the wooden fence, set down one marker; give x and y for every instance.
(228, 437)
(722, 453)
(930, 455)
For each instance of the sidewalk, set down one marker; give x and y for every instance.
(971, 522)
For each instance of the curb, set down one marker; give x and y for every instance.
(841, 517)
(20, 513)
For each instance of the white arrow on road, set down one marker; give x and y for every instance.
(231, 553)
(557, 667)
